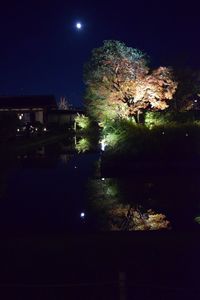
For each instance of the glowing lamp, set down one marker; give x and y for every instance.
(78, 25)
(103, 145)
(82, 215)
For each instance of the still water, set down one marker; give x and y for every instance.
(53, 189)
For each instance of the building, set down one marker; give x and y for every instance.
(64, 117)
(29, 109)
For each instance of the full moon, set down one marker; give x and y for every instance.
(78, 25)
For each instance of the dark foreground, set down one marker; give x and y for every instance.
(48, 252)
(139, 265)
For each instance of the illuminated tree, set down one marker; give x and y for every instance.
(120, 84)
(187, 96)
(82, 122)
(108, 77)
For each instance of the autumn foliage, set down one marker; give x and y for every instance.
(127, 218)
(120, 84)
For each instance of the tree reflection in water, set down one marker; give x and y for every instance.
(124, 217)
(111, 210)
(83, 145)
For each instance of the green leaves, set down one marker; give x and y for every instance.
(120, 84)
(105, 75)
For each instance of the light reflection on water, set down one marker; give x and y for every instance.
(115, 210)
(53, 186)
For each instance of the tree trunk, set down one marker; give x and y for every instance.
(135, 118)
(138, 119)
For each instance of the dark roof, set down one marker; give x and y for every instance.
(20, 102)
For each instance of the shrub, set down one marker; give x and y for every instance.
(83, 122)
(157, 118)
(83, 145)
(167, 141)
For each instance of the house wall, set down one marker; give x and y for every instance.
(39, 116)
(61, 118)
(26, 117)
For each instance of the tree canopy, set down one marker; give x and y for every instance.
(119, 82)
(187, 96)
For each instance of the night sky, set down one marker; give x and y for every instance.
(41, 51)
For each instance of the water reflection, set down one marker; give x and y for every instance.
(197, 219)
(127, 218)
(140, 203)
(116, 209)
(65, 157)
(7, 161)
(47, 156)
(86, 142)
(83, 145)
(54, 177)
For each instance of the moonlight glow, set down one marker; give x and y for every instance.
(78, 25)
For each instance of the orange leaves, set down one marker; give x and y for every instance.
(147, 91)
(122, 82)
(122, 217)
